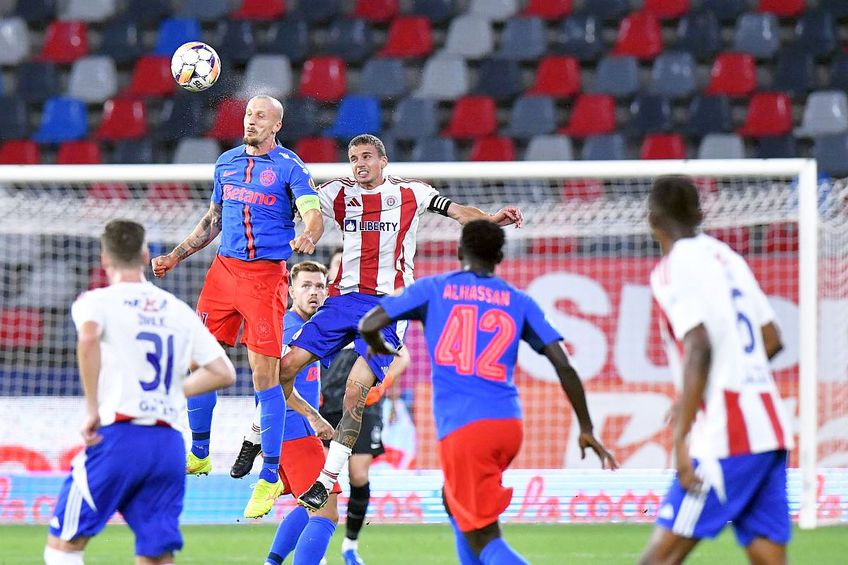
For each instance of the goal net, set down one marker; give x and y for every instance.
(585, 254)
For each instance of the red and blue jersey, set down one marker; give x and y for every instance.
(473, 325)
(257, 194)
(307, 382)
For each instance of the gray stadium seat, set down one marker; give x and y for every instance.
(721, 146)
(445, 77)
(523, 39)
(604, 148)
(434, 149)
(383, 78)
(93, 79)
(549, 148)
(616, 76)
(532, 115)
(825, 112)
(673, 74)
(757, 34)
(88, 10)
(203, 10)
(494, 10)
(267, 74)
(7, 7)
(469, 37)
(414, 118)
(14, 41)
(831, 151)
(196, 150)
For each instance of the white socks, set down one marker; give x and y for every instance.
(253, 436)
(336, 458)
(54, 556)
(348, 544)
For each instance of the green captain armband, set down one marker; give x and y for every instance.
(307, 203)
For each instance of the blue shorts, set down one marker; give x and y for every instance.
(138, 471)
(747, 490)
(336, 324)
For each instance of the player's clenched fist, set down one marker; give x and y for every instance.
(163, 264)
(303, 244)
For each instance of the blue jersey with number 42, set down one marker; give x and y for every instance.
(473, 325)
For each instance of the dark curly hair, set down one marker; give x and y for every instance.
(484, 240)
(674, 198)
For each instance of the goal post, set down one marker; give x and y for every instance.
(584, 253)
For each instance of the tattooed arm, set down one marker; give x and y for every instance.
(354, 406)
(206, 230)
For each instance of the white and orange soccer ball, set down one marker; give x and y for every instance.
(195, 66)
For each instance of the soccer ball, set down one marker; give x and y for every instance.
(195, 66)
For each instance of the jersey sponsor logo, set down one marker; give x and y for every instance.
(351, 225)
(147, 304)
(267, 177)
(247, 196)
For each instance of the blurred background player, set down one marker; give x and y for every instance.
(257, 188)
(378, 217)
(473, 323)
(134, 344)
(720, 333)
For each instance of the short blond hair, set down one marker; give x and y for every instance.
(308, 267)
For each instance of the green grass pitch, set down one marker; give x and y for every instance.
(423, 544)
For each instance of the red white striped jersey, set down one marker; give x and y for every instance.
(379, 228)
(703, 281)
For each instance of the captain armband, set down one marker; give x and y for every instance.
(307, 203)
(439, 205)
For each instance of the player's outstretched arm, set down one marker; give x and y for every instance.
(507, 216)
(322, 427)
(206, 230)
(88, 357)
(312, 231)
(697, 357)
(220, 373)
(577, 396)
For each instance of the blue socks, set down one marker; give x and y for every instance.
(200, 421)
(314, 540)
(288, 532)
(272, 421)
(497, 552)
(463, 550)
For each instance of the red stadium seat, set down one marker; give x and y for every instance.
(123, 118)
(65, 42)
(472, 117)
(593, 114)
(782, 8)
(640, 36)
(558, 76)
(83, 152)
(229, 120)
(20, 152)
(323, 78)
(585, 190)
(379, 11)
(168, 192)
(493, 149)
(663, 146)
(739, 239)
(109, 191)
(21, 327)
(264, 10)
(409, 36)
(553, 246)
(317, 149)
(549, 9)
(666, 9)
(152, 77)
(782, 238)
(733, 74)
(769, 113)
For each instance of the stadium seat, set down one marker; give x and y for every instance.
(38, 81)
(757, 34)
(781, 238)
(777, 147)
(289, 37)
(82, 152)
(167, 192)
(794, 72)
(839, 72)
(769, 113)
(839, 8)
(19, 152)
(580, 36)
(88, 10)
(317, 150)
(203, 10)
(228, 123)
(493, 149)
(319, 12)
(105, 191)
(350, 39)
(831, 151)
(607, 9)
(236, 40)
(123, 118)
(639, 35)
(549, 148)
(409, 36)
(557, 76)
(721, 146)
(434, 150)
(825, 112)
(300, 119)
(65, 42)
(523, 39)
(739, 238)
(444, 77)
(193, 150)
(121, 40)
(14, 41)
(472, 117)
(62, 119)
(13, 118)
(592, 114)
(727, 11)
(673, 75)
(493, 10)
(782, 8)
(152, 77)
(437, 11)
(499, 78)
(21, 327)
(815, 32)
(556, 246)
(93, 79)
(610, 147)
(356, 114)
(148, 12)
(616, 76)
(383, 78)
(650, 113)
(733, 74)
(260, 10)
(133, 152)
(663, 146)
(378, 11)
(181, 116)
(699, 34)
(173, 32)
(709, 114)
(666, 9)
(548, 9)
(36, 12)
(531, 116)
(323, 78)
(267, 74)
(469, 37)
(414, 118)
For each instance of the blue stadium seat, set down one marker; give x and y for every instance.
(301, 119)
(604, 148)
(795, 71)
(438, 11)
(650, 113)
(173, 32)
(499, 78)
(777, 147)
(289, 37)
(38, 12)
(839, 8)
(133, 151)
(182, 116)
(434, 149)
(318, 11)
(148, 12)
(709, 114)
(727, 11)
(350, 39)
(38, 81)
(699, 34)
(607, 9)
(815, 32)
(62, 119)
(532, 115)
(236, 41)
(831, 151)
(757, 34)
(673, 75)
(839, 72)
(383, 78)
(523, 39)
(616, 76)
(580, 36)
(357, 114)
(414, 118)
(122, 40)
(13, 118)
